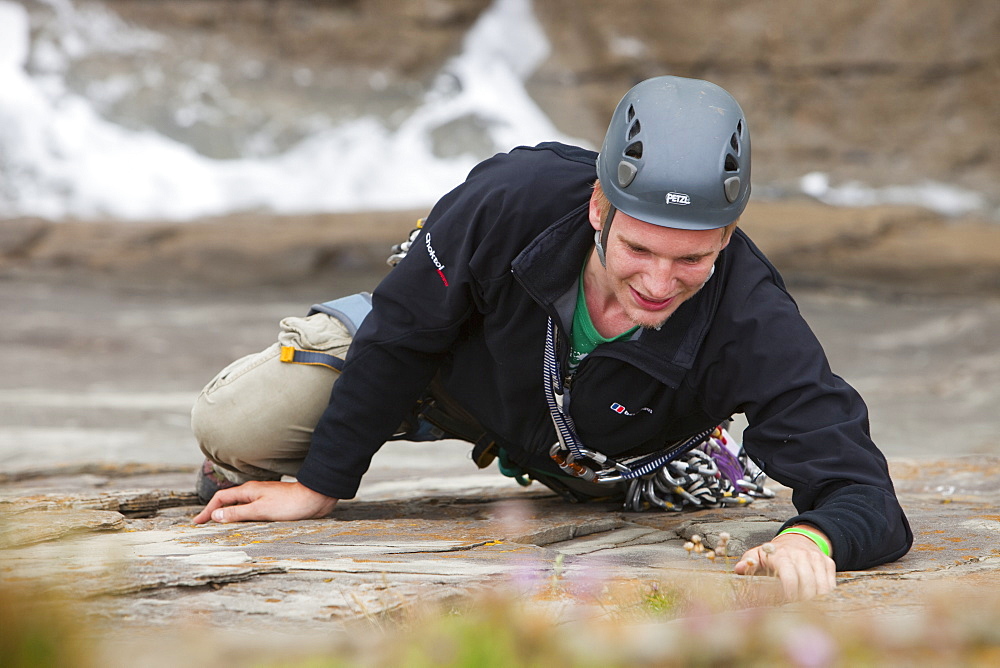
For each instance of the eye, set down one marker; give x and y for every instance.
(638, 250)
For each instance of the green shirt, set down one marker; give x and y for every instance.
(584, 336)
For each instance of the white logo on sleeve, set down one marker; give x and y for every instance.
(435, 260)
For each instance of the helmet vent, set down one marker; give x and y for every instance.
(634, 150)
(732, 165)
(626, 173)
(734, 141)
(732, 188)
(633, 130)
(739, 127)
(631, 114)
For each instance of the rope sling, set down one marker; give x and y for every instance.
(699, 472)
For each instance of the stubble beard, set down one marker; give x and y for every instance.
(684, 297)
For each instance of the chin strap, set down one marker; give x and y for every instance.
(601, 236)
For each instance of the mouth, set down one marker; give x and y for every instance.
(651, 304)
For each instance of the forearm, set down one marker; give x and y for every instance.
(865, 526)
(375, 394)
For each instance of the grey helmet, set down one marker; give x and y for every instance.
(677, 154)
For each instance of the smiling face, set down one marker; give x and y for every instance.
(650, 272)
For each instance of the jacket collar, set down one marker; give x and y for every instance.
(548, 269)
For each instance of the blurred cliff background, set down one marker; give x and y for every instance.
(279, 112)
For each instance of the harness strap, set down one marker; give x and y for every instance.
(312, 357)
(350, 311)
(511, 469)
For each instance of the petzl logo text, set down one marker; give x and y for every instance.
(621, 410)
(678, 198)
(435, 260)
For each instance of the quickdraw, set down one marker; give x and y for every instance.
(709, 476)
(400, 250)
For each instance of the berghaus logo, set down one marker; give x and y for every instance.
(621, 410)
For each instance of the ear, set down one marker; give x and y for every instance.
(594, 209)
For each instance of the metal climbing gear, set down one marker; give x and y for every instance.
(708, 476)
(699, 472)
(400, 250)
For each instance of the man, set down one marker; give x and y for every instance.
(642, 301)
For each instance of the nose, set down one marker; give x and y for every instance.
(662, 282)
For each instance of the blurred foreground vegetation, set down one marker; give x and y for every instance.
(684, 623)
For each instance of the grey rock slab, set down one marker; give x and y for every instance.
(946, 533)
(177, 572)
(94, 564)
(613, 541)
(373, 557)
(134, 502)
(639, 557)
(36, 526)
(950, 477)
(434, 543)
(743, 534)
(294, 602)
(560, 532)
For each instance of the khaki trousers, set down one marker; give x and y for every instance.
(255, 419)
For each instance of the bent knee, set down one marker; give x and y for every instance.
(259, 411)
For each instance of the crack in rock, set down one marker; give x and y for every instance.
(564, 532)
(402, 550)
(457, 548)
(133, 503)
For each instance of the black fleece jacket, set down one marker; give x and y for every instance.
(500, 254)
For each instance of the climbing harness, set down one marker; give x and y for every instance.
(350, 311)
(700, 471)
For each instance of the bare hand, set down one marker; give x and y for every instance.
(266, 501)
(802, 568)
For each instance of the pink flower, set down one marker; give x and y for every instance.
(810, 647)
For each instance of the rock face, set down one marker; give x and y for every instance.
(279, 63)
(887, 248)
(884, 92)
(413, 542)
(888, 92)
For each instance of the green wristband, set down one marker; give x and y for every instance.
(822, 543)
